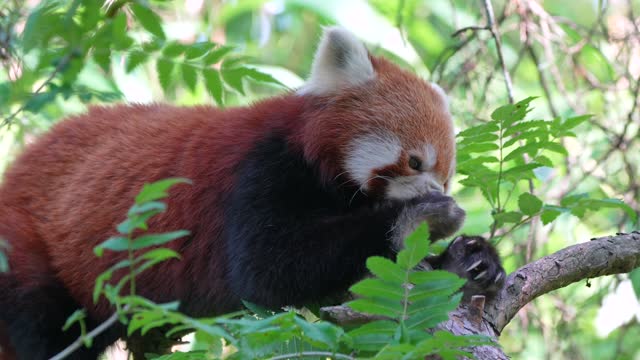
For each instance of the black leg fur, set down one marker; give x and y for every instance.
(33, 318)
(291, 240)
(475, 259)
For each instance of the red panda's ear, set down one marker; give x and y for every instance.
(341, 61)
(443, 95)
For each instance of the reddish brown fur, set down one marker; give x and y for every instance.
(79, 179)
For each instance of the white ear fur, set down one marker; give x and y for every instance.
(443, 95)
(341, 61)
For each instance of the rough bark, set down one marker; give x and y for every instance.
(601, 256)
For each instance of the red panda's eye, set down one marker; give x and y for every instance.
(415, 163)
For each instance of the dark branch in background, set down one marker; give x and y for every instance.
(602, 256)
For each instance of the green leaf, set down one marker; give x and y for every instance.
(548, 216)
(157, 239)
(114, 243)
(479, 130)
(214, 56)
(430, 316)
(174, 49)
(374, 335)
(213, 84)
(159, 254)
(165, 70)
(526, 126)
(480, 138)
(531, 136)
(190, 76)
(478, 148)
(572, 122)
(77, 316)
(386, 269)
(134, 60)
(142, 318)
(520, 172)
(376, 287)
(149, 20)
(198, 50)
(555, 147)
(119, 36)
(38, 25)
(102, 57)
(596, 63)
(597, 204)
(543, 160)
(320, 333)
(233, 77)
(259, 76)
(145, 207)
(508, 114)
(38, 101)
(507, 217)
(416, 248)
(634, 276)
(135, 222)
(530, 148)
(433, 283)
(473, 163)
(4, 262)
(529, 204)
(158, 190)
(377, 306)
(571, 200)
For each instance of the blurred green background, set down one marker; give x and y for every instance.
(577, 57)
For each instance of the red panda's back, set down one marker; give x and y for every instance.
(76, 183)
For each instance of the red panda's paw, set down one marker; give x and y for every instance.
(441, 212)
(473, 258)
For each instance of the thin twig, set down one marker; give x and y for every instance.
(61, 65)
(92, 334)
(495, 33)
(468, 28)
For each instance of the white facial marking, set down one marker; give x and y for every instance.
(341, 61)
(430, 156)
(408, 187)
(371, 152)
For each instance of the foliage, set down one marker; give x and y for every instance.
(4, 262)
(63, 37)
(499, 154)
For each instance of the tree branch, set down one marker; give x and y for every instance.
(602, 256)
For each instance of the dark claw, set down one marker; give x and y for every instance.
(476, 260)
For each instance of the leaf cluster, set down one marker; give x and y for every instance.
(500, 155)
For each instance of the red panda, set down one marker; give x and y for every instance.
(289, 196)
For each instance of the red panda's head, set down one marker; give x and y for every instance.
(381, 127)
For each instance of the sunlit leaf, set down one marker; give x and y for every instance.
(529, 204)
(149, 20)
